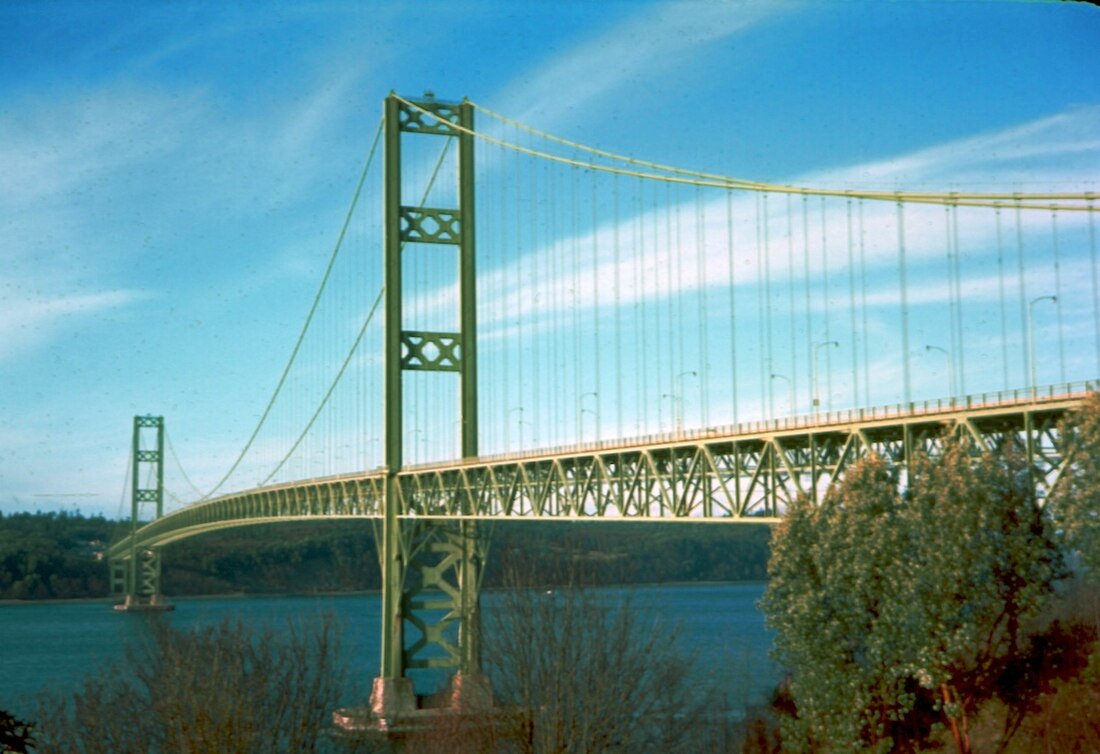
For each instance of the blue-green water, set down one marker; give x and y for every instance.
(52, 647)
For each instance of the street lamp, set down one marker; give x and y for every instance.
(1031, 336)
(790, 390)
(679, 383)
(529, 424)
(950, 369)
(676, 410)
(508, 428)
(817, 349)
(580, 421)
(581, 410)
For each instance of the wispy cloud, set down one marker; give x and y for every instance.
(1060, 151)
(28, 321)
(625, 54)
(1047, 153)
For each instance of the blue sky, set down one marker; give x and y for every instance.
(173, 176)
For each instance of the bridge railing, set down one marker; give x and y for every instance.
(824, 419)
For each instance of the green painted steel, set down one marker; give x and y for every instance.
(136, 570)
(410, 552)
(744, 474)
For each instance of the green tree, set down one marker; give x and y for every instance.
(896, 613)
(1076, 497)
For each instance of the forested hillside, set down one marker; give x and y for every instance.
(62, 555)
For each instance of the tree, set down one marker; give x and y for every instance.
(576, 669)
(224, 688)
(16, 736)
(897, 613)
(1076, 497)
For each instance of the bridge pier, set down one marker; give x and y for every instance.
(137, 579)
(431, 570)
(136, 573)
(437, 568)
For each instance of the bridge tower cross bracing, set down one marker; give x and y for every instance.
(136, 575)
(428, 567)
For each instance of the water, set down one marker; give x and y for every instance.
(53, 646)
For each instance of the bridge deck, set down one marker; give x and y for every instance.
(746, 473)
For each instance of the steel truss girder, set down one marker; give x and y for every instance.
(443, 566)
(733, 477)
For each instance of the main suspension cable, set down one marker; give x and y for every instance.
(1022, 200)
(309, 316)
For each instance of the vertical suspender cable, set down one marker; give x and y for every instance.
(1058, 295)
(574, 243)
(519, 304)
(618, 310)
(769, 361)
(701, 275)
(1095, 284)
(952, 298)
(595, 256)
(535, 280)
(1001, 294)
(641, 419)
(1022, 287)
(790, 304)
(678, 264)
(960, 358)
(863, 306)
(825, 302)
(806, 281)
(762, 374)
(556, 366)
(904, 286)
(852, 310)
(732, 286)
(673, 282)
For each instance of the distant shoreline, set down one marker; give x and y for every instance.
(355, 593)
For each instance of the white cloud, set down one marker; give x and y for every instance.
(28, 321)
(610, 260)
(622, 56)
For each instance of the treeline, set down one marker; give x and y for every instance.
(63, 555)
(54, 555)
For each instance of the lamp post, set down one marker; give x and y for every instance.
(675, 410)
(1031, 336)
(950, 370)
(679, 382)
(817, 349)
(521, 422)
(677, 398)
(508, 428)
(790, 391)
(581, 411)
(580, 419)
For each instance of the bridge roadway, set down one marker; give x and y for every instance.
(747, 473)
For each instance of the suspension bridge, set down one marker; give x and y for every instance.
(636, 342)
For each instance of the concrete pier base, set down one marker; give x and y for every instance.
(390, 697)
(153, 604)
(396, 712)
(464, 691)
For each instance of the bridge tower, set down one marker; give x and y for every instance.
(428, 568)
(137, 575)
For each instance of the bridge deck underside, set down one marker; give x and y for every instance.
(749, 477)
